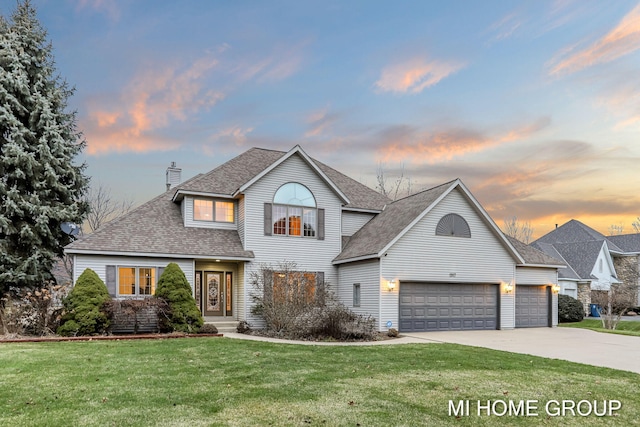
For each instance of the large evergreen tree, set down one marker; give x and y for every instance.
(40, 186)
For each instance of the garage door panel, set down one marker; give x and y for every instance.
(449, 307)
(532, 306)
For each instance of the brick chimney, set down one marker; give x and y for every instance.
(174, 176)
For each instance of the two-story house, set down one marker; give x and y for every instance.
(431, 261)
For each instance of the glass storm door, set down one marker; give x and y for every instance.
(213, 295)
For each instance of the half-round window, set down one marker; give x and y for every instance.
(294, 211)
(294, 194)
(453, 225)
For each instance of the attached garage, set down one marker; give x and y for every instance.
(447, 307)
(532, 306)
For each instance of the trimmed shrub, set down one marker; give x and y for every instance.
(208, 328)
(569, 309)
(183, 314)
(84, 312)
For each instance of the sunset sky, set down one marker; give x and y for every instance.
(534, 105)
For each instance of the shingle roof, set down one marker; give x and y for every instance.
(532, 255)
(230, 176)
(156, 227)
(626, 242)
(582, 256)
(575, 231)
(564, 273)
(387, 225)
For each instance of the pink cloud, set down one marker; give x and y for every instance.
(415, 75)
(622, 40)
(403, 143)
(154, 99)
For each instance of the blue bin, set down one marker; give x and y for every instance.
(595, 310)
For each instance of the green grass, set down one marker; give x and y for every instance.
(220, 381)
(624, 327)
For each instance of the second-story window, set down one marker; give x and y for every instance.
(294, 211)
(210, 210)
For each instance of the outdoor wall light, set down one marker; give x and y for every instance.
(508, 288)
(555, 289)
(391, 285)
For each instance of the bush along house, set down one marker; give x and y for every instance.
(431, 261)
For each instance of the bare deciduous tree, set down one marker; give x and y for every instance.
(615, 230)
(615, 302)
(517, 229)
(393, 188)
(636, 225)
(103, 207)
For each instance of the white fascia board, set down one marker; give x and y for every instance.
(541, 265)
(181, 193)
(154, 255)
(295, 150)
(359, 258)
(373, 211)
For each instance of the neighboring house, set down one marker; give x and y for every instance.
(431, 261)
(594, 261)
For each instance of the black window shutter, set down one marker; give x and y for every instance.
(268, 223)
(320, 224)
(111, 279)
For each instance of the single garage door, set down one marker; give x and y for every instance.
(532, 306)
(447, 307)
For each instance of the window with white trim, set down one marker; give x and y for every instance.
(294, 211)
(210, 210)
(136, 281)
(356, 294)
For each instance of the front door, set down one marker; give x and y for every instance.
(213, 293)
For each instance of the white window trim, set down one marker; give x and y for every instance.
(287, 234)
(213, 210)
(137, 268)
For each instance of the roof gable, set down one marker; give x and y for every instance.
(297, 150)
(386, 228)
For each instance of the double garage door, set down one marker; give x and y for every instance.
(447, 307)
(454, 307)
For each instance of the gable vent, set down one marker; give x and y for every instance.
(453, 225)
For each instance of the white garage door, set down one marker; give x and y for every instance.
(447, 307)
(532, 306)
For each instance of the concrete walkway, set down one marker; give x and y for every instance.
(572, 344)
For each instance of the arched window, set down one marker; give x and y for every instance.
(294, 211)
(453, 225)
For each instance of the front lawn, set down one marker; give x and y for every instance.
(220, 381)
(623, 328)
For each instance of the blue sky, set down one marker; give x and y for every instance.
(535, 105)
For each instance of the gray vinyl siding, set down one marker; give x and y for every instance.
(507, 310)
(190, 222)
(310, 254)
(367, 273)
(535, 276)
(353, 221)
(554, 309)
(422, 256)
(98, 264)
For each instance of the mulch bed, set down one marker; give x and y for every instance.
(105, 337)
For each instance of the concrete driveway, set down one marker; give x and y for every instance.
(572, 344)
